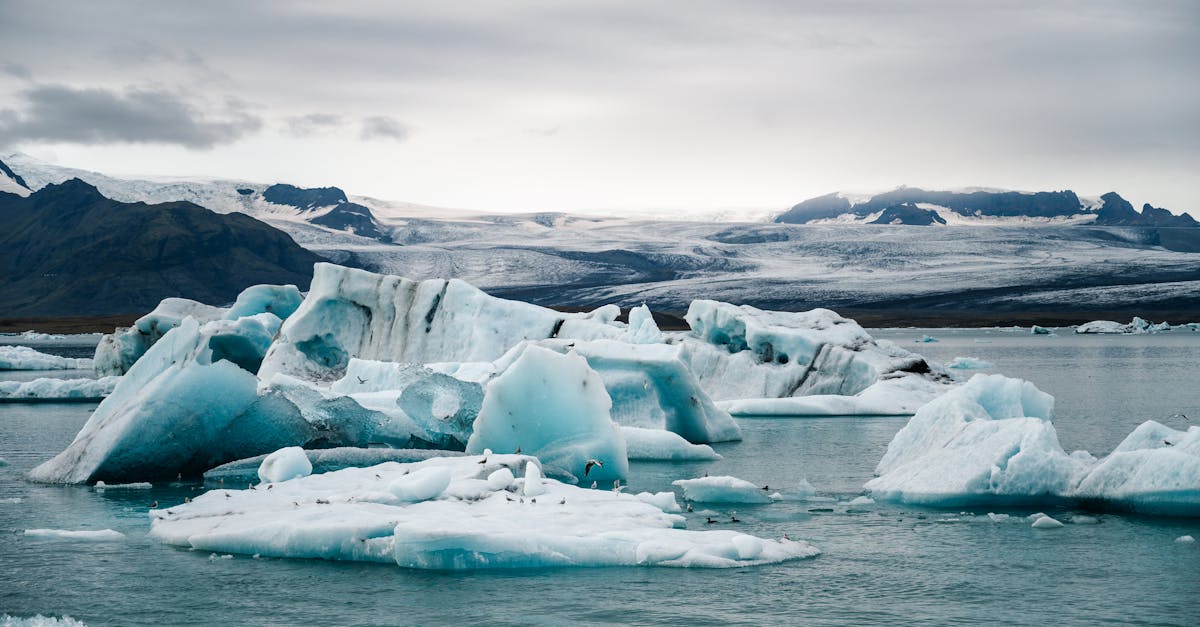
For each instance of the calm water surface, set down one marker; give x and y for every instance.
(881, 563)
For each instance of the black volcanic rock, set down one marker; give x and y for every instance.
(1117, 211)
(819, 208)
(303, 199)
(981, 203)
(67, 250)
(910, 214)
(13, 175)
(1157, 216)
(352, 217)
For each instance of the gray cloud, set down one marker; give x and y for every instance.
(59, 113)
(383, 127)
(16, 70)
(305, 125)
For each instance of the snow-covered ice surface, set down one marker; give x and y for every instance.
(992, 440)
(1135, 326)
(322, 460)
(452, 513)
(900, 396)
(57, 390)
(26, 358)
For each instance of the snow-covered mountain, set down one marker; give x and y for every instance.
(1046, 262)
(979, 207)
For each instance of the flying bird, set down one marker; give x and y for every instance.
(360, 379)
(591, 463)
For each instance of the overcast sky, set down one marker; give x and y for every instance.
(563, 105)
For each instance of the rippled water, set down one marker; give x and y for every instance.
(881, 564)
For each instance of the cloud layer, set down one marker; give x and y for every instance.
(618, 103)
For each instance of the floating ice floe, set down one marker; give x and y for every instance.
(1185, 539)
(26, 358)
(992, 440)
(472, 522)
(1135, 327)
(642, 328)
(896, 396)
(722, 489)
(118, 351)
(925, 339)
(969, 363)
(1040, 330)
(1046, 522)
(100, 535)
(57, 390)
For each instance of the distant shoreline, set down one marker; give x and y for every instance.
(673, 320)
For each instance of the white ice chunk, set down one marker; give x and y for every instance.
(286, 463)
(58, 389)
(1046, 522)
(721, 489)
(1185, 539)
(422, 484)
(25, 358)
(969, 363)
(642, 328)
(555, 407)
(88, 535)
(1040, 330)
(533, 481)
(660, 445)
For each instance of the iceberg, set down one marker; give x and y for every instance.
(747, 353)
(723, 489)
(354, 313)
(25, 358)
(118, 351)
(1137, 326)
(555, 407)
(992, 441)
(173, 411)
(652, 386)
(1040, 330)
(57, 390)
(989, 439)
(474, 522)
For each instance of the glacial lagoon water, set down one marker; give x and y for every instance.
(881, 563)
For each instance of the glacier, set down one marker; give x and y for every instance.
(26, 358)
(992, 441)
(459, 513)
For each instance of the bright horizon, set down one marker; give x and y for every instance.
(615, 106)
